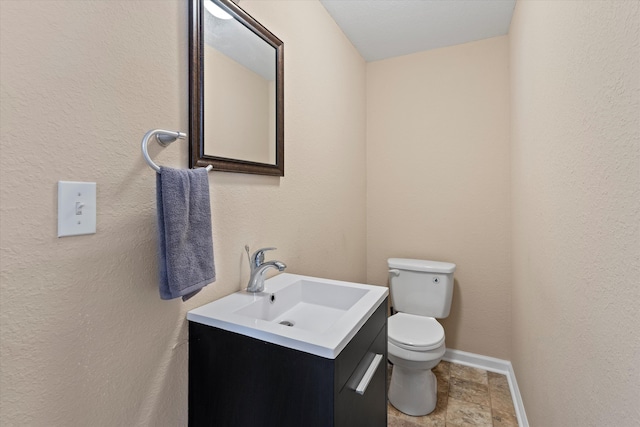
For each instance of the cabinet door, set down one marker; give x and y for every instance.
(370, 408)
(238, 381)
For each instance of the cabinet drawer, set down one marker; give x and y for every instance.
(350, 357)
(368, 408)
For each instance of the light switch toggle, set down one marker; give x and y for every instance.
(76, 208)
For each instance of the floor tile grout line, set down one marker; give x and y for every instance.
(446, 403)
(490, 398)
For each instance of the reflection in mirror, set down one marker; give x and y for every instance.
(239, 95)
(236, 91)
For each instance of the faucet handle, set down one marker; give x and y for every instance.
(258, 256)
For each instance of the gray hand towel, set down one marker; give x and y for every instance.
(185, 240)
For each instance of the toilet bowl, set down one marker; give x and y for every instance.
(415, 346)
(420, 291)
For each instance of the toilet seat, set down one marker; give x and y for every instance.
(415, 333)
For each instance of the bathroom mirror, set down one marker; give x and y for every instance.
(236, 91)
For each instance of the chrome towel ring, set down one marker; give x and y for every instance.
(164, 138)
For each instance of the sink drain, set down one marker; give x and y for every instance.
(286, 323)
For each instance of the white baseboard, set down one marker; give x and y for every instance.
(493, 365)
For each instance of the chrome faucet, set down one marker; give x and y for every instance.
(258, 267)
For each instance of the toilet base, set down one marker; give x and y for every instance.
(413, 392)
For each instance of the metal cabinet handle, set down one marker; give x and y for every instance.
(368, 375)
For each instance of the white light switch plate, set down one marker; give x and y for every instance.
(76, 208)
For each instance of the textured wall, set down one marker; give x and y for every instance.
(438, 179)
(575, 89)
(85, 338)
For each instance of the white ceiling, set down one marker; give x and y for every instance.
(382, 29)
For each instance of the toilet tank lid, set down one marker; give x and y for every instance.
(421, 265)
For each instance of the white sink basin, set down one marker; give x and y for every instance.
(317, 316)
(305, 304)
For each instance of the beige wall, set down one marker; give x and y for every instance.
(576, 211)
(438, 179)
(85, 338)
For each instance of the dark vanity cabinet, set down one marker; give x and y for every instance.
(238, 381)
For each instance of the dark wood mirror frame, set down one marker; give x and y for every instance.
(197, 157)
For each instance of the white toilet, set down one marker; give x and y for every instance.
(420, 292)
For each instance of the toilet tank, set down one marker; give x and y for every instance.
(421, 287)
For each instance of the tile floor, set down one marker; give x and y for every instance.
(466, 397)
